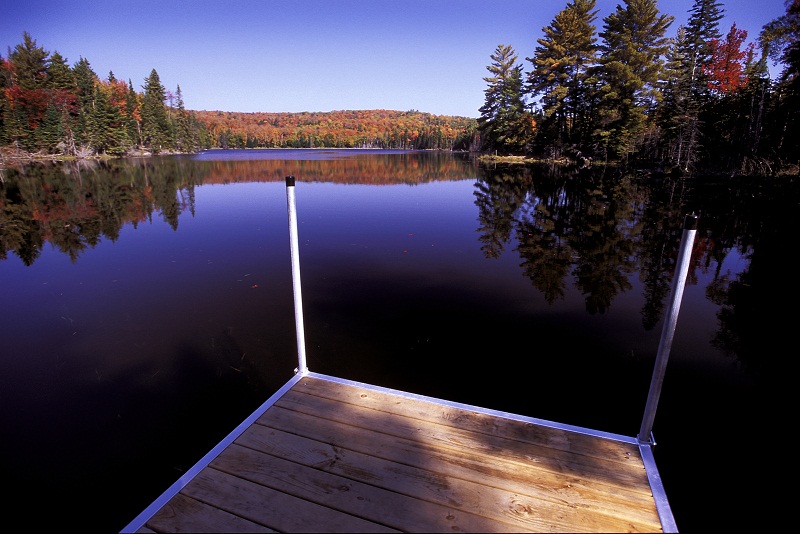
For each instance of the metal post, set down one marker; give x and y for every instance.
(298, 297)
(664, 345)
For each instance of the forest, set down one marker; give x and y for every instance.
(627, 92)
(620, 93)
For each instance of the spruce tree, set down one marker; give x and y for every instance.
(183, 134)
(133, 118)
(690, 99)
(5, 82)
(702, 27)
(504, 124)
(677, 115)
(156, 131)
(781, 37)
(85, 79)
(60, 83)
(562, 75)
(29, 64)
(27, 99)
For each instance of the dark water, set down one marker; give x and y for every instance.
(147, 309)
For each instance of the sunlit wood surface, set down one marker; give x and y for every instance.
(332, 457)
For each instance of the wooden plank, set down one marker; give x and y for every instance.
(274, 509)
(503, 505)
(628, 477)
(336, 457)
(184, 514)
(557, 438)
(406, 467)
(369, 501)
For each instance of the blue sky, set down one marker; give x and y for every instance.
(313, 55)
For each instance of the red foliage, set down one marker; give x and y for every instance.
(33, 102)
(726, 68)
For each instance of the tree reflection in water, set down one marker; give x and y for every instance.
(593, 231)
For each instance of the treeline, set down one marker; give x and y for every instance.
(47, 106)
(340, 129)
(50, 107)
(702, 100)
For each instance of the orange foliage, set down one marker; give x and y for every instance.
(338, 129)
(725, 70)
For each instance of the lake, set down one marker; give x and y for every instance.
(148, 309)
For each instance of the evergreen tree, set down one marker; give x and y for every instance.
(562, 76)
(59, 76)
(504, 123)
(5, 83)
(677, 114)
(632, 63)
(133, 117)
(85, 80)
(107, 132)
(156, 132)
(702, 31)
(702, 27)
(781, 39)
(183, 135)
(63, 99)
(50, 133)
(26, 98)
(29, 63)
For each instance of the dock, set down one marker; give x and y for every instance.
(326, 454)
(330, 455)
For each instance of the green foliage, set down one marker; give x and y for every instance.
(633, 49)
(47, 106)
(563, 76)
(156, 129)
(504, 124)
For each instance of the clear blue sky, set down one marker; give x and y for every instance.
(313, 55)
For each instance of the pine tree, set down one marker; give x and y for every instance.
(632, 61)
(562, 75)
(156, 131)
(504, 124)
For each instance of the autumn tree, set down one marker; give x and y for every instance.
(26, 98)
(632, 59)
(725, 70)
(504, 124)
(562, 76)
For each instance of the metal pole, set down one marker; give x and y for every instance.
(298, 297)
(664, 345)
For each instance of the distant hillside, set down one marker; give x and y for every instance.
(339, 129)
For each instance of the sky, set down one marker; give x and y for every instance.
(314, 55)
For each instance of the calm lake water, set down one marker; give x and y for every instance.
(147, 310)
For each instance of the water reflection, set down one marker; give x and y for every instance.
(199, 326)
(593, 228)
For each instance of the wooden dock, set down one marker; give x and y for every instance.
(330, 455)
